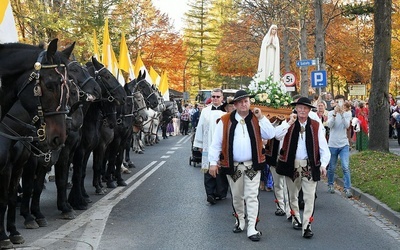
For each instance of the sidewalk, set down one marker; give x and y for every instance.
(371, 201)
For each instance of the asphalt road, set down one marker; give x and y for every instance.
(164, 207)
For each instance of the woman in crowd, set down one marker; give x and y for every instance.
(362, 135)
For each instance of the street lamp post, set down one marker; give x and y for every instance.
(184, 69)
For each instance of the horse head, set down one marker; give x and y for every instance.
(111, 88)
(75, 115)
(139, 104)
(44, 92)
(80, 77)
(142, 85)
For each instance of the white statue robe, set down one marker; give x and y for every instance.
(269, 61)
(204, 133)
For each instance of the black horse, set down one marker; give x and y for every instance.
(37, 78)
(9, 70)
(132, 112)
(143, 86)
(38, 166)
(96, 114)
(151, 98)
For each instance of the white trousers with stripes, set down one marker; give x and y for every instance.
(303, 181)
(245, 196)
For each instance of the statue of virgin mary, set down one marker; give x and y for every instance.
(269, 61)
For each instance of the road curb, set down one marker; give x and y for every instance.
(374, 203)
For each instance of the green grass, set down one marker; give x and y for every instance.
(377, 174)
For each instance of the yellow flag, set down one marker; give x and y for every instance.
(125, 62)
(164, 86)
(155, 77)
(8, 30)
(115, 69)
(95, 46)
(106, 52)
(108, 56)
(139, 65)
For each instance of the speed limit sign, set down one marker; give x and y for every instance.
(289, 79)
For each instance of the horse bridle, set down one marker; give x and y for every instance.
(37, 91)
(110, 97)
(82, 93)
(140, 88)
(41, 114)
(151, 120)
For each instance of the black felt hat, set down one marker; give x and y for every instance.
(303, 101)
(239, 95)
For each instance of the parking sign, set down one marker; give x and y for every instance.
(318, 78)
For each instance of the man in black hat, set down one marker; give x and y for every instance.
(237, 151)
(302, 159)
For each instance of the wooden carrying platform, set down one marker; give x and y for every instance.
(272, 113)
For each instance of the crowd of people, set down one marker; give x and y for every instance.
(244, 152)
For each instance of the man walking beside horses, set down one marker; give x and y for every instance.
(237, 151)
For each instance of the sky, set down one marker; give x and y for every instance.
(175, 10)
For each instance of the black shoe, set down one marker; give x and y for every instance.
(255, 237)
(220, 198)
(308, 233)
(279, 212)
(297, 226)
(237, 229)
(211, 199)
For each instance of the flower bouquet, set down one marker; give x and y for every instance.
(271, 98)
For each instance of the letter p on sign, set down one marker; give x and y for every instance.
(318, 78)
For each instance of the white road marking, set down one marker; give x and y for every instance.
(170, 152)
(164, 156)
(95, 218)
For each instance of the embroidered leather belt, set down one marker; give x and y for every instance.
(246, 163)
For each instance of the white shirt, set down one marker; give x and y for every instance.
(338, 125)
(301, 152)
(241, 143)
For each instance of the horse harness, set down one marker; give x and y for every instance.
(82, 93)
(139, 88)
(41, 114)
(151, 126)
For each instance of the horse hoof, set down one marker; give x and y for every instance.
(99, 191)
(111, 184)
(122, 183)
(17, 239)
(31, 225)
(140, 152)
(42, 222)
(131, 165)
(80, 207)
(68, 215)
(125, 170)
(6, 244)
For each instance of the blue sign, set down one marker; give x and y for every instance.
(318, 78)
(306, 63)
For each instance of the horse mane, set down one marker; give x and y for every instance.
(17, 58)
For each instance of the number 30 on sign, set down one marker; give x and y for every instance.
(289, 79)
